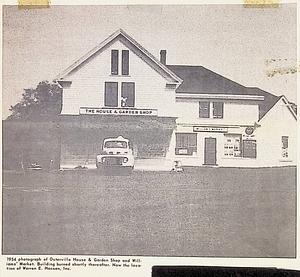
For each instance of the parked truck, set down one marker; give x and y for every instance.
(115, 153)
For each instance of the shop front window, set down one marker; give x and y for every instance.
(186, 144)
(235, 147)
(249, 148)
(232, 146)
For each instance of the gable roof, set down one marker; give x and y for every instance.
(200, 80)
(191, 79)
(287, 103)
(125, 38)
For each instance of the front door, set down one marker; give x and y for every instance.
(210, 151)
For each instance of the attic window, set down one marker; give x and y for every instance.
(114, 62)
(125, 62)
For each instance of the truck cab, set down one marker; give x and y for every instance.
(116, 152)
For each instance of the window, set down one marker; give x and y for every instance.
(115, 144)
(186, 144)
(111, 94)
(114, 62)
(125, 62)
(204, 109)
(284, 146)
(218, 109)
(232, 145)
(127, 95)
(249, 149)
(211, 109)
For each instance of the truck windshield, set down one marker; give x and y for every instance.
(115, 144)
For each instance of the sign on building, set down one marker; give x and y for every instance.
(210, 129)
(118, 111)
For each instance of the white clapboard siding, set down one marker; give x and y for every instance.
(278, 122)
(237, 113)
(87, 89)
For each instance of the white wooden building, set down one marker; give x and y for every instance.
(210, 120)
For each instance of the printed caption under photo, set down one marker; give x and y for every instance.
(50, 263)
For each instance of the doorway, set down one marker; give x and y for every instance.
(210, 151)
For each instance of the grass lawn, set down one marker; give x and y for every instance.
(201, 212)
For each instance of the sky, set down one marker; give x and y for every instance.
(240, 43)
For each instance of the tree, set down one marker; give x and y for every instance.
(43, 101)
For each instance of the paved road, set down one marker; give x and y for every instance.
(204, 212)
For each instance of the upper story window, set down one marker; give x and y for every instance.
(285, 146)
(111, 94)
(114, 62)
(127, 95)
(211, 109)
(114, 97)
(218, 108)
(204, 109)
(125, 62)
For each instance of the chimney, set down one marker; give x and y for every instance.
(163, 56)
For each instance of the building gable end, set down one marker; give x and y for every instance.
(130, 43)
(281, 99)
